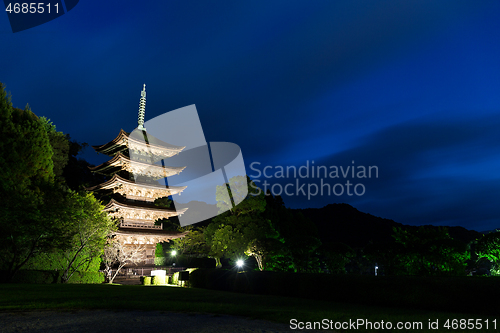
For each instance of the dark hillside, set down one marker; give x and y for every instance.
(345, 224)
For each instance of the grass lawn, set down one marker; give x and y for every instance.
(27, 297)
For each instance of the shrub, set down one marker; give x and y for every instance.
(158, 280)
(436, 293)
(146, 280)
(53, 276)
(36, 276)
(87, 277)
(175, 278)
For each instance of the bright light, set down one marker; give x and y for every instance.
(239, 263)
(174, 252)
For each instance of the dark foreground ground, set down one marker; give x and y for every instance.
(106, 321)
(144, 309)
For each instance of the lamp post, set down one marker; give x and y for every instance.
(376, 269)
(173, 254)
(239, 264)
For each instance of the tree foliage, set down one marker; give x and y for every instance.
(30, 227)
(242, 229)
(89, 227)
(430, 251)
(297, 250)
(259, 226)
(40, 217)
(193, 244)
(28, 198)
(336, 256)
(488, 247)
(60, 147)
(26, 154)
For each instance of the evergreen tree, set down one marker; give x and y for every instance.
(60, 147)
(39, 216)
(27, 225)
(26, 153)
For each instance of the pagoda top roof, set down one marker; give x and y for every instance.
(114, 204)
(138, 138)
(116, 180)
(120, 161)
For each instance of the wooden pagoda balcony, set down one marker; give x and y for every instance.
(140, 225)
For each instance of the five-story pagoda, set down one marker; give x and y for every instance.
(134, 172)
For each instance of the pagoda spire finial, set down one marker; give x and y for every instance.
(142, 109)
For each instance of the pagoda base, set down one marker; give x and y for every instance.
(131, 273)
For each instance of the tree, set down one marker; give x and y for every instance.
(259, 226)
(431, 251)
(336, 256)
(193, 244)
(26, 153)
(390, 256)
(90, 227)
(266, 251)
(242, 229)
(226, 241)
(298, 235)
(39, 216)
(29, 228)
(488, 247)
(29, 200)
(116, 254)
(60, 147)
(76, 173)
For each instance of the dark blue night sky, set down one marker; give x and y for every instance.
(412, 87)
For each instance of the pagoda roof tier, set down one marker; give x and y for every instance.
(140, 211)
(122, 162)
(135, 236)
(141, 143)
(137, 191)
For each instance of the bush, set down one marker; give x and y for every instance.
(146, 280)
(49, 276)
(87, 277)
(36, 276)
(429, 293)
(55, 261)
(158, 280)
(175, 278)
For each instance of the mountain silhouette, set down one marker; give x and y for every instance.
(342, 223)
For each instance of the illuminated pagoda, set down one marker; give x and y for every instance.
(134, 186)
